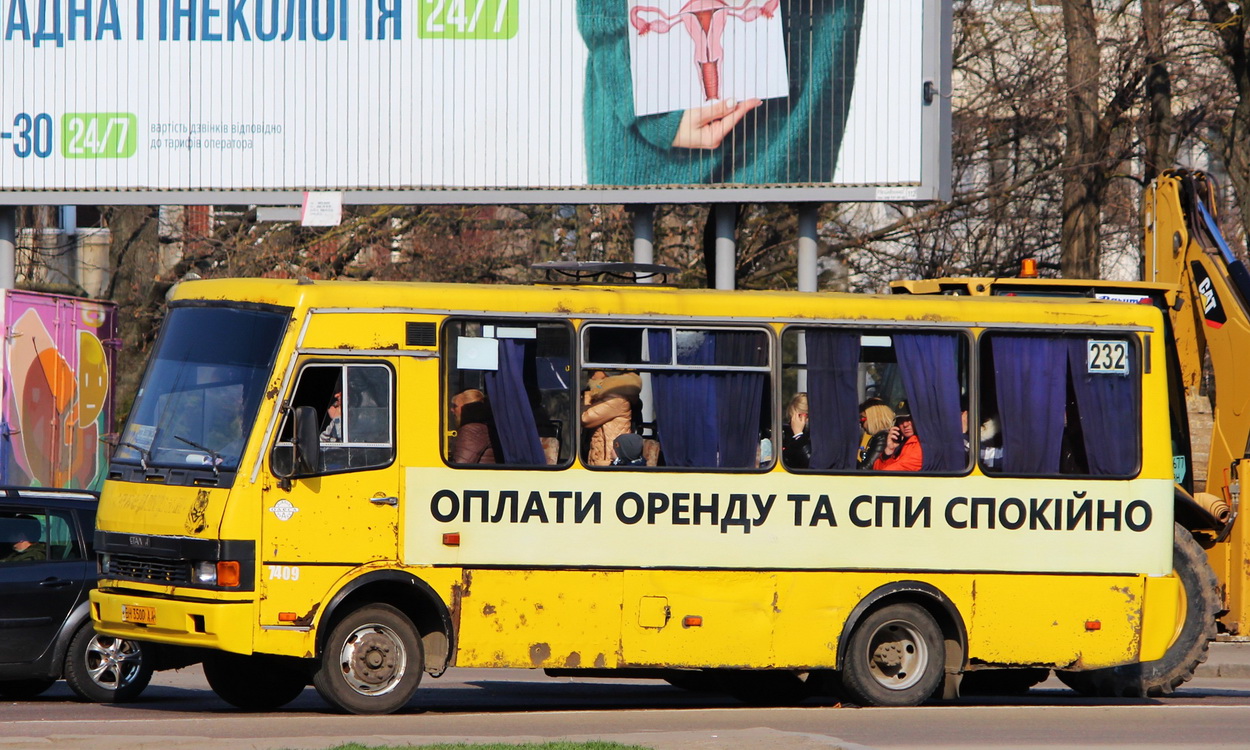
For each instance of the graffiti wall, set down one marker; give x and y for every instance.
(58, 390)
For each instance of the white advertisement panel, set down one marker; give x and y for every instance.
(742, 521)
(474, 100)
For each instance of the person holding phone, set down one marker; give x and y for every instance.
(875, 419)
(796, 445)
(902, 445)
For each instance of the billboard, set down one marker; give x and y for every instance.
(463, 101)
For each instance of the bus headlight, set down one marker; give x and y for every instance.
(224, 573)
(205, 573)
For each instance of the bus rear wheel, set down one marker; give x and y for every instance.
(372, 661)
(1200, 604)
(894, 658)
(254, 683)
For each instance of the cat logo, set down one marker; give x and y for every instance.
(1212, 310)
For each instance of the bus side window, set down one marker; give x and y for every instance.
(1066, 405)
(355, 417)
(508, 393)
(848, 373)
(699, 397)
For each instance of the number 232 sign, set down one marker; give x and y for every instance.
(1107, 357)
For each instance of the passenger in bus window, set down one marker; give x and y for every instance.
(333, 430)
(989, 438)
(475, 434)
(875, 419)
(902, 445)
(796, 446)
(609, 405)
(628, 450)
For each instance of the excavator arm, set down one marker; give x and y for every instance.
(1184, 246)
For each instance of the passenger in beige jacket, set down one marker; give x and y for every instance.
(608, 409)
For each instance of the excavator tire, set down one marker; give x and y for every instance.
(1201, 601)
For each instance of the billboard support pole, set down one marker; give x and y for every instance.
(725, 216)
(644, 234)
(808, 213)
(8, 246)
(808, 276)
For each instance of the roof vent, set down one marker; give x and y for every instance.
(590, 272)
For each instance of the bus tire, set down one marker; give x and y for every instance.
(253, 683)
(895, 657)
(1200, 603)
(372, 661)
(104, 669)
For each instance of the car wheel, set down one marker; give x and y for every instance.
(23, 689)
(103, 669)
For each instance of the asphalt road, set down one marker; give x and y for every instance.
(178, 712)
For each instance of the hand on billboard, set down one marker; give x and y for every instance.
(706, 127)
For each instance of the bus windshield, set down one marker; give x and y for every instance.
(200, 394)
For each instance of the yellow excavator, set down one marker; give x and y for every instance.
(1194, 276)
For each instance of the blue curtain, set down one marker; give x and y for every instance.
(706, 418)
(832, 401)
(739, 396)
(1108, 406)
(685, 404)
(1031, 394)
(929, 364)
(510, 404)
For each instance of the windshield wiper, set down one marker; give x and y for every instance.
(211, 453)
(144, 454)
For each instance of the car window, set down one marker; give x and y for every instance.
(37, 535)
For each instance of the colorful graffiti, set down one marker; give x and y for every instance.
(58, 390)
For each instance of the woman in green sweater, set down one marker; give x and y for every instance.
(794, 139)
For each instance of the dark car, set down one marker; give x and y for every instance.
(47, 567)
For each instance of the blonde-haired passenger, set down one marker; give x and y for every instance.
(875, 418)
(796, 446)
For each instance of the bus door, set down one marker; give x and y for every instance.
(341, 505)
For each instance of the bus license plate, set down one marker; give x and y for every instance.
(138, 615)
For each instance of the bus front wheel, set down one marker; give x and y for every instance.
(254, 683)
(372, 661)
(894, 658)
(1200, 604)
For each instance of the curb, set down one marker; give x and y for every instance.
(1234, 671)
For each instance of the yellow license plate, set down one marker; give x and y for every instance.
(138, 615)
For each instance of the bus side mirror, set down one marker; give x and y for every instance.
(307, 441)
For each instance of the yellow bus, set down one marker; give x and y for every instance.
(357, 484)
